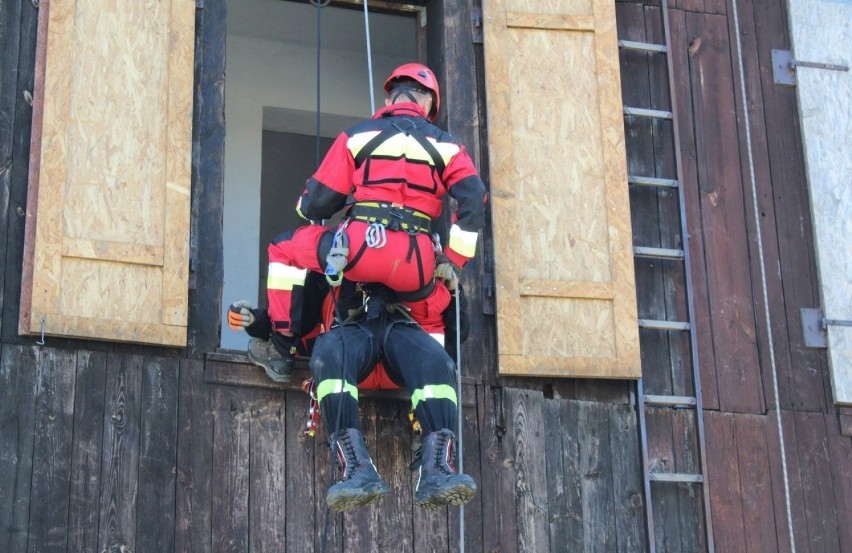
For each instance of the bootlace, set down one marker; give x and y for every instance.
(347, 460)
(443, 451)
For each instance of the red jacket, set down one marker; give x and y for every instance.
(399, 168)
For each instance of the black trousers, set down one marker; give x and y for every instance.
(345, 356)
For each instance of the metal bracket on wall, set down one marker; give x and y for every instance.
(815, 325)
(476, 24)
(784, 67)
(489, 302)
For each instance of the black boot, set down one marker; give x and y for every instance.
(440, 484)
(360, 484)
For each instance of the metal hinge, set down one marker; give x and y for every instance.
(476, 25)
(489, 302)
(815, 326)
(784, 67)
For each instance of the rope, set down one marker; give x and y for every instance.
(763, 280)
(369, 59)
(460, 414)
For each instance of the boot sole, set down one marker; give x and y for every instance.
(267, 367)
(345, 500)
(459, 494)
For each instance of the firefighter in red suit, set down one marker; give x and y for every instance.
(397, 166)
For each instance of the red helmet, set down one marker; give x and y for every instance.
(424, 76)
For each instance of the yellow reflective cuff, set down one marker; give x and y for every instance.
(332, 386)
(437, 391)
(284, 277)
(463, 242)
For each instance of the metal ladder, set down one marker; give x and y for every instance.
(651, 476)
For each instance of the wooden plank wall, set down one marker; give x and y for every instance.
(100, 451)
(745, 471)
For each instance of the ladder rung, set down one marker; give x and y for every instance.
(676, 477)
(653, 113)
(657, 253)
(651, 181)
(642, 46)
(663, 325)
(669, 401)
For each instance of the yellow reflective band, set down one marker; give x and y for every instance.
(356, 142)
(463, 242)
(400, 145)
(327, 387)
(437, 391)
(284, 277)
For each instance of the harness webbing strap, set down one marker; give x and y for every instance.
(394, 217)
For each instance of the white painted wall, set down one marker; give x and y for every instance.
(821, 32)
(262, 74)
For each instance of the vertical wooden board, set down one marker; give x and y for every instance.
(803, 375)
(193, 498)
(52, 434)
(723, 218)
(665, 500)
(644, 212)
(586, 292)
(627, 484)
(230, 482)
(303, 485)
(89, 405)
(18, 384)
(120, 453)
(599, 524)
(526, 430)
(392, 455)
(690, 498)
(562, 459)
(208, 178)
(840, 455)
(115, 172)
(724, 483)
(268, 485)
(158, 455)
(361, 526)
(817, 483)
(496, 488)
(679, 57)
(786, 481)
(471, 401)
(761, 534)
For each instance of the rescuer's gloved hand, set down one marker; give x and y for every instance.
(447, 271)
(240, 315)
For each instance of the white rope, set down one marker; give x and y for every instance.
(763, 279)
(369, 58)
(459, 412)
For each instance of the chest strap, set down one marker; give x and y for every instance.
(392, 216)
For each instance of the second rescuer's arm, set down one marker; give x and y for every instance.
(465, 186)
(328, 188)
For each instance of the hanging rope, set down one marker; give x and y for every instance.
(319, 4)
(369, 58)
(460, 408)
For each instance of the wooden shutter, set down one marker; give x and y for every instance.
(106, 248)
(821, 32)
(566, 299)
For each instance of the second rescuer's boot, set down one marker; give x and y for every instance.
(276, 355)
(360, 483)
(439, 483)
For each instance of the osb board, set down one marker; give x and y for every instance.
(825, 109)
(566, 300)
(110, 178)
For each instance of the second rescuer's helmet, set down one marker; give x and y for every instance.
(422, 75)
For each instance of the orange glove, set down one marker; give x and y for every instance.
(240, 315)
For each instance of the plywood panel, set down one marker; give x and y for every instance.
(110, 177)
(563, 254)
(825, 109)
